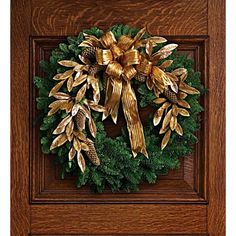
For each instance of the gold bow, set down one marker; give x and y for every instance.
(119, 57)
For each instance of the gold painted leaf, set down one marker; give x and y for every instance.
(165, 64)
(62, 125)
(58, 141)
(165, 105)
(66, 74)
(76, 144)
(174, 87)
(140, 34)
(79, 80)
(58, 103)
(184, 76)
(69, 130)
(179, 129)
(55, 89)
(61, 96)
(68, 107)
(57, 76)
(157, 116)
(160, 55)
(155, 40)
(149, 48)
(159, 100)
(68, 63)
(167, 119)
(165, 139)
(187, 89)
(173, 122)
(97, 107)
(70, 82)
(163, 130)
(183, 103)
(80, 135)
(84, 147)
(174, 110)
(168, 47)
(75, 109)
(80, 68)
(149, 83)
(81, 162)
(92, 127)
(53, 111)
(182, 95)
(183, 112)
(71, 154)
(179, 71)
(80, 94)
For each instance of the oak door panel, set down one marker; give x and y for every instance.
(188, 201)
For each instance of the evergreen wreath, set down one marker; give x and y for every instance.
(96, 63)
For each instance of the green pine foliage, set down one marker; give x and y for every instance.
(118, 171)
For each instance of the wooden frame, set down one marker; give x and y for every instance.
(210, 216)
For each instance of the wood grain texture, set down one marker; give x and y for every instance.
(20, 30)
(118, 219)
(216, 209)
(187, 184)
(60, 17)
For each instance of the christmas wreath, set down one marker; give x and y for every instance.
(117, 73)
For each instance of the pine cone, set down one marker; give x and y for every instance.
(140, 77)
(170, 95)
(80, 120)
(95, 68)
(92, 154)
(89, 53)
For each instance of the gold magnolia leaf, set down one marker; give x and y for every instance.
(165, 139)
(71, 154)
(140, 34)
(184, 76)
(168, 47)
(149, 48)
(160, 55)
(84, 147)
(76, 144)
(179, 71)
(80, 135)
(62, 125)
(167, 119)
(183, 103)
(154, 40)
(172, 77)
(58, 141)
(173, 122)
(58, 103)
(174, 110)
(80, 94)
(81, 162)
(183, 112)
(66, 74)
(53, 111)
(79, 80)
(187, 89)
(165, 105)
(97, 107)
(61, 96)
(55, 89)
(165, 64)
(68, 107)
(182, 95)
(179, 129)
(96, 90)
(70, 82)
(157, 116)
(75, 109)
(80, 68)
(68, 63)
(69, 130)
(159, 100)
(174, 87)
(92, 127)
(163, 130)
(57, 76)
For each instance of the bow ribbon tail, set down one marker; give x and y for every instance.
(112, 100)
(134, 125)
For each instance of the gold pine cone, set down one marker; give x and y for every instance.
(89, 53)
(80, 120)
(170, 95)
(91, 153)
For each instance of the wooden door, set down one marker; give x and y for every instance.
(189, 201)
